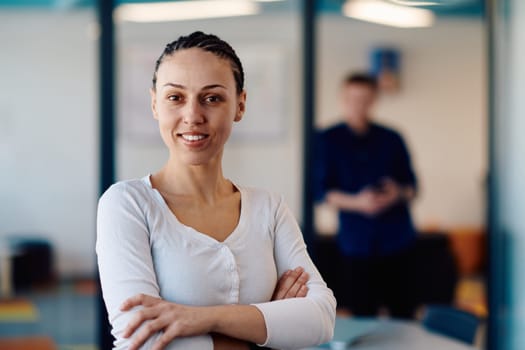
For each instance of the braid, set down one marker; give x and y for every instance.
(206, 42)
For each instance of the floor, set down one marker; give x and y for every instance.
(65, 312)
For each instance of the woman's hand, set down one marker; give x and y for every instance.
(174, 320)
(292, 284)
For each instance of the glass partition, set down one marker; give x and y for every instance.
(507, 226)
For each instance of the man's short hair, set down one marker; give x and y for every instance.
(361, 78)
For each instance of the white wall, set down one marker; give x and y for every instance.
(440, 109)
(48, 132)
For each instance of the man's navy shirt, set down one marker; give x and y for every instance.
(350, 162)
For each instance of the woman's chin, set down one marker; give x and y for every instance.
(197, 159)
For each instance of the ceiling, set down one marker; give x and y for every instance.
(442, 8)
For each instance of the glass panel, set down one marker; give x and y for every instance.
(48, 162)
(432, 83)
(508, 172)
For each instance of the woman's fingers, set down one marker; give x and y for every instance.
(145, 333)
(303, 291)
(164, 339)
(139, 299)
(296, 287)
(286, 282)
(290, 284)
(280, 283)
(139, 318)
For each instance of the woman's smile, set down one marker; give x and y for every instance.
(194, 140)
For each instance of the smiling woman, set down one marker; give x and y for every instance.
(190, 260)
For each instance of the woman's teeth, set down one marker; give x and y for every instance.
(193, 137)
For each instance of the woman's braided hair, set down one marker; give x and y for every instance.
(206, 42)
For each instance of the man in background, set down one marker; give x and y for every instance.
(364, 171)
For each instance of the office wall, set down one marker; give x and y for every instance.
(440, 109)
(48, 117)
(48, 132)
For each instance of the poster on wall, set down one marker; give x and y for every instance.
(386, 67)
(265, 82)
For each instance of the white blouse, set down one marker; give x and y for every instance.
(143, 248)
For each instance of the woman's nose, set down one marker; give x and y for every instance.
(192, 113)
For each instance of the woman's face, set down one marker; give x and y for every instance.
(196, 103)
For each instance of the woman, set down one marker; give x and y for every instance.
(189, 260)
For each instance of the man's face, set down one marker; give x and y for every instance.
(357, 101)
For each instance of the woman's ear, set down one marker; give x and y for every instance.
(153, 95)
(241, 106)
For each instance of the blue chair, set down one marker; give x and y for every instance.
(451, 322)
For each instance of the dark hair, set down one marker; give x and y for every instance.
(361, 78)
(206, 42)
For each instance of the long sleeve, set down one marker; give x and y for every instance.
(404, 170)
(126, 265)
(299, 322)
(324, 174)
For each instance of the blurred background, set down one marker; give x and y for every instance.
(74, 117)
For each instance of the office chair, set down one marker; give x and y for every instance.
(451, 322)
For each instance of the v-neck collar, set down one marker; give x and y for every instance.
(205, 238)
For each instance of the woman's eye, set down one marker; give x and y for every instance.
(212, 99)
(174, 98)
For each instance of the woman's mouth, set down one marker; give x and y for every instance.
(193, 139)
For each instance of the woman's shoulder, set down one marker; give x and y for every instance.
(125, 191)
(259, 193)
(261, 199)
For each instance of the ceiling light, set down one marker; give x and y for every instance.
(414, 3)
(184, 10)
(384, 13)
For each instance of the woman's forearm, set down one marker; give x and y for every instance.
(243, 322)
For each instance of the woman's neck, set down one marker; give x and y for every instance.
(203, 182)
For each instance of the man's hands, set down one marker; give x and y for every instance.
(370, 201)
(176, 320)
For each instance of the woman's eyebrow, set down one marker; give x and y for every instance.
(207, 87)
(213, 86)
(174, 85)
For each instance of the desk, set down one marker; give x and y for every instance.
(377, 334)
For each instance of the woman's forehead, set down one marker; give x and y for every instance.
(195, 65)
